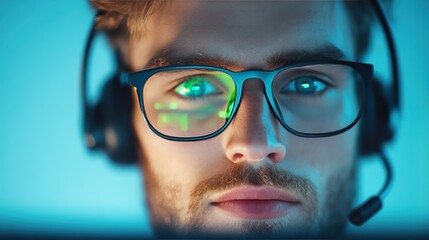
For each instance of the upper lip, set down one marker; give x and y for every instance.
(253, 192)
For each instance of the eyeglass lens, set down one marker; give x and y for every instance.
(196, 102)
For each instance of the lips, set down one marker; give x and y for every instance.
(256, 202)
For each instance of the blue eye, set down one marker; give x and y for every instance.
(305, 85)
(196, 86)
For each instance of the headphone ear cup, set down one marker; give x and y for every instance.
(119, 138)
(375, 128)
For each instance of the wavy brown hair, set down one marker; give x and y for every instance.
(125, 18)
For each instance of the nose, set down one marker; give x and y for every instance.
(253, 135)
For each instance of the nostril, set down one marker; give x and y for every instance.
(275, 157)
(237, 157)
(272, 156)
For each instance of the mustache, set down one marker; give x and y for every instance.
(245, 174)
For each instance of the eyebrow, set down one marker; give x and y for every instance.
(173, 57)
(321, 53)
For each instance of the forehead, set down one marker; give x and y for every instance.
(247, 32)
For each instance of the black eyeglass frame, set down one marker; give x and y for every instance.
(139, 79)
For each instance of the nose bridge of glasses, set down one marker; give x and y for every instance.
(256, 97)
(266, 77)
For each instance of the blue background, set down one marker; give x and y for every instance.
(49, 182)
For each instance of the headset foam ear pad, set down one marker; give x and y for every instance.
(375, 129)
(119, 135)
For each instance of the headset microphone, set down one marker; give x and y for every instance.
(364, 212)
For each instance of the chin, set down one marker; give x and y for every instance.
(243, 229)
(221, 225)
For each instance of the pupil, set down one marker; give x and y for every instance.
(195, 88)
(305, 86)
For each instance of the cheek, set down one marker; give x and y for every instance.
(175, 162)
(326, 154)
(321, 159)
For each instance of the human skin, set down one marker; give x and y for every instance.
(245, 35)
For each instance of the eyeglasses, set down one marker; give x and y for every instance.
(189, 103)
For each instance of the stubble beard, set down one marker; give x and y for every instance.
(328, 220)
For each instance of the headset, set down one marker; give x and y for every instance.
(108, 127)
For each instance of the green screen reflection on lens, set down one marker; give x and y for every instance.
(180, 119)
(197, 109)
(227, 112)
(163, 106)
(177, 120)
(227, 81)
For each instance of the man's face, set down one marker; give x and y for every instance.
(255, 177)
